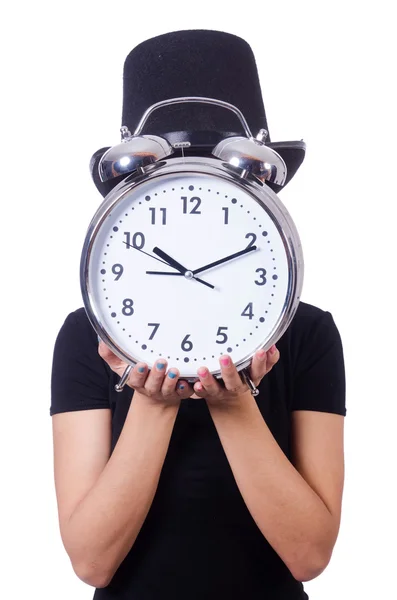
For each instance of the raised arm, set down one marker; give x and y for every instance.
(102, 501)
(295, 503)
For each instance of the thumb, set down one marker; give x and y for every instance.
(115, 363)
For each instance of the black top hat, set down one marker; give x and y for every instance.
(204, 63)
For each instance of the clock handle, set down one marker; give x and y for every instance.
(120, 385)
(200, 100)
(247, 379)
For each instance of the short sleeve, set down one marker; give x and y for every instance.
(79, 378)
(319, 381)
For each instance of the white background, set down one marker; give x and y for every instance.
(328, 76)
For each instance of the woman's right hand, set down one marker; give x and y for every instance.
(157, 384)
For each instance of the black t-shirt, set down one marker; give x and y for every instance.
(199, 541)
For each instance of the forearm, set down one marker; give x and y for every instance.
(291, 516)
(105, 524)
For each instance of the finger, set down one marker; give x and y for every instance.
(115, 363)
(183, 389)
(155, 378)
(273, 356)
(169, 383)
(138, 376)
(109, 356)
(258, 367)
(262, 363)
(230, 376)
(199, 390)
(207, 384)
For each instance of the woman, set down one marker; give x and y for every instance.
(168, 490)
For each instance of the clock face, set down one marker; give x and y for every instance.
(189, 316)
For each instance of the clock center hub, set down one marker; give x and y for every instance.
(189, 275)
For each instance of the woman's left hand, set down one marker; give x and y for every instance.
(234, 389)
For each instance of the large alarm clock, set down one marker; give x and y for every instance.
(191, 257)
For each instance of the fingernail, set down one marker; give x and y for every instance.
(171, 375)
(225, 361)
(160, 366)
(203, 372)
(141, 369)
(273, 349)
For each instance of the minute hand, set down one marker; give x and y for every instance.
(227, 258)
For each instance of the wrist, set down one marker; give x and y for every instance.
(140, 400)
(240, 404)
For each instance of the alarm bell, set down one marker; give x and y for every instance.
(248, 154)
(133, 153)
(253, 156)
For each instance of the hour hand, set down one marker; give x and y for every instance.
(171, 261)
(176, 265)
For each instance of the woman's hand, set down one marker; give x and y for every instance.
(158, 385)
(234, 389)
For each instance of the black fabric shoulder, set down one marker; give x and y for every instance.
(319, 373)
(80, 377)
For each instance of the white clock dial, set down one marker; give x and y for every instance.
(150, 309)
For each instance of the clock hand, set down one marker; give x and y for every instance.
(179, 274)
(223, 260)
(171, 261)
(166, 263)
(196, 271)
(147, 253)
(176, 265)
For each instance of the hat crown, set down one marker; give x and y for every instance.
(192, 63)
(208, 64)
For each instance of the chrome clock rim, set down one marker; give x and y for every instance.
(259, 191)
